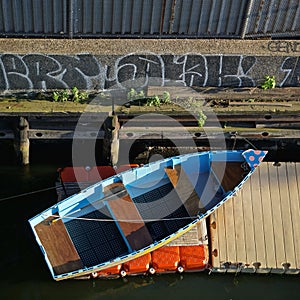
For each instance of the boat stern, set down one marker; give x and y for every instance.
(54, 241)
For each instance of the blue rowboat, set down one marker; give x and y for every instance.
(137, 211)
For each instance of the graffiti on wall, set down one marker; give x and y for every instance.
(284, 46)
(42, 72)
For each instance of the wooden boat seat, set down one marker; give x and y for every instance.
(134, 230)
(185, 190)
(54, 237)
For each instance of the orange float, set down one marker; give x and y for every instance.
(113, 271)
(138, 265)
(123, 168)
(88, 174)
(67, 174)
(165, 259)
(99, 173)
(193, 257)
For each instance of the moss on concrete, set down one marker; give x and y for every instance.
(208, 99)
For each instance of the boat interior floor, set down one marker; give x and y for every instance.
(124, 224)
(154, 215)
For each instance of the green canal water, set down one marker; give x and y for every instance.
(24, 274)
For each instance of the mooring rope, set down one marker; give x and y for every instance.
(235, 135)
(119, 220)
(26, 194)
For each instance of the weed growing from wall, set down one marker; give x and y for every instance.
(70, 95)
(269, 82)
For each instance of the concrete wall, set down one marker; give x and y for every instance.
(39, 65)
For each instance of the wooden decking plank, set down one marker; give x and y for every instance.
(185, 189)
(240, 238)
(221, 233)
(258, 219)
(267, 216)
(268, 220)
(248, 220)
(123, 208)
(286, 216)
(134, 229)
(230, 231)
(277, 217)
(173, 174)
(59, 247)
(295, 205)
(214, 240)
(295, 209)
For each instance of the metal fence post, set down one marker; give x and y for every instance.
(71, 19)
(248, 11)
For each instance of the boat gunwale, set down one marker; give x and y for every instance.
(118, 176)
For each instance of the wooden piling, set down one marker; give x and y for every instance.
(115, 140)
(111, 140)
(22, 141)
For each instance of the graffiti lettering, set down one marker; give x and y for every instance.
(85, 71)
(140, 70)
(14, 73)
(194, 69)
(284, 46)
(291, 68)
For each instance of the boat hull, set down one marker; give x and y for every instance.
(138, 211)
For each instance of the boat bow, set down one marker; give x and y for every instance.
(254, 157)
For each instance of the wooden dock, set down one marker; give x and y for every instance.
(263, 128)
(258, 231)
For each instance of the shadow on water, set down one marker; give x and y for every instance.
(172, 286)
(24, 274)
